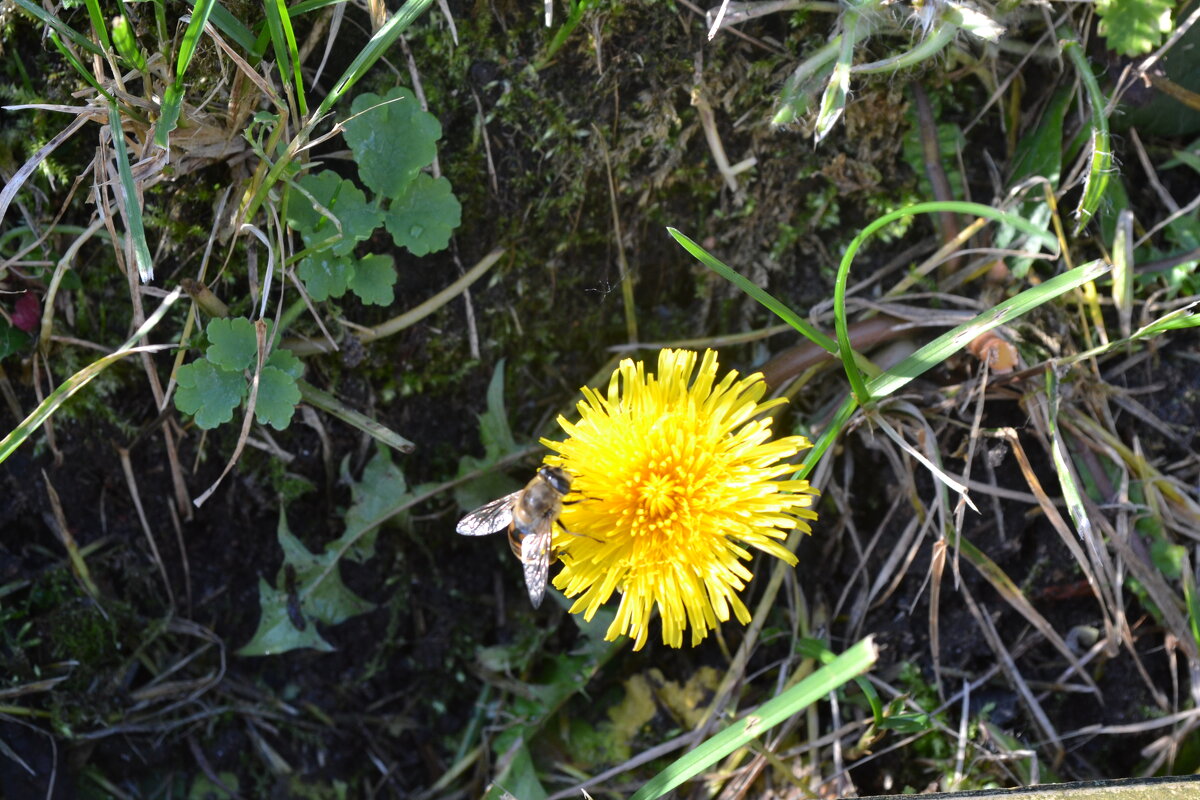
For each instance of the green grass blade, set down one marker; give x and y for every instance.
(173, 96)
(955, 340)
(1173, 320)
(81, 378)
(753, 290)
(133, 211)
(1123, 264)
(191, 36)
(1067, 479)
(98, 25)
(79, 67)
(126, 43)
(850, 664)
(234, 30)
(1101, 162)
(311, 5)
(376, 47)
(283, 42)
(827, 438)
(846, 353)
(58, 26)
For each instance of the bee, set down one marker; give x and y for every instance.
(529, 515)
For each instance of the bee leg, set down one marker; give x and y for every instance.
(573, 533)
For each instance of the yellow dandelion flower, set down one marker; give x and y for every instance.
(674, 484)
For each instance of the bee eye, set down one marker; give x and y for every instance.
(557, 478)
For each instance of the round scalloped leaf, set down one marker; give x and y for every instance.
(339, 197)
(287, 361)
(232, 344)
(425, 216)
(325, 275)
(208, 393)
(277, 398)
(302, 215)
(373, 278)
(392, 139)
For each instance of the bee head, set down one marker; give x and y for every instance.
(556, 477)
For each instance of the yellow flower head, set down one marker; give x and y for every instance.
(674, 481)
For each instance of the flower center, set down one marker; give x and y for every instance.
(659, 497)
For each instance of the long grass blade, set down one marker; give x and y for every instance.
(173, 96)
(755, 291)
(1100, 166)
(96, 16)
(287, 54)
(860, 388)
(954, 340)
(849, 665)
(58, 26)
(376, 47)
(80, 379)
(133, 209)
(79, 67)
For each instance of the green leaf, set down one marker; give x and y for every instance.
(208, 393)
(373, 278)
(342, 199)
(1100, 163)
(381, 488)
(129, 196)
(276, 633)
(392, 138)
(287, 361)
(312, 599)
(855, 661)
(1134, 27)
(172, 100)
(12, 340)
(425, 216)
(498, 441)
(232, 343)
(1039, 152)
(277, 398)
(325, 275)
(126, 42)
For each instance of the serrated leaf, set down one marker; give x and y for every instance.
(1134, 27)
(277, 398)
(325, 275)
(392, 138)
(382, 487)
(494, 430)
(287, 361)
(328, 602)
(423, 218)
(342, 199)
(276, 633)
(373, 279)
(232, 344)
(208, 392)
(498, 441)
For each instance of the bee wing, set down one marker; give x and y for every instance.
(535, 555)
(490, 518)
